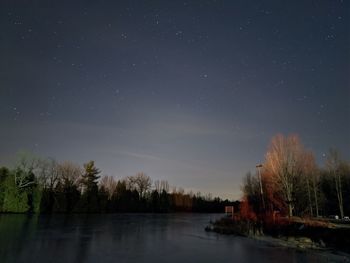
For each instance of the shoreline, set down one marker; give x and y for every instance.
(293, 244)
(292, 235)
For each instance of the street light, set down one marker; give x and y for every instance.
(258, 166)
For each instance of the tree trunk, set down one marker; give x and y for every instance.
(290, 210)
(315, 196)
(309, 196)
(339, 195)
(289, 201)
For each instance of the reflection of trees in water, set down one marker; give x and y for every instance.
(129, 238)
(84, 235)
(16, 231)
(67, 237)
(70, 237)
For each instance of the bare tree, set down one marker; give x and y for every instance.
(284, 162)
(208, 197)
(164, 185)
(250, 185)
(69, 174)
(315, 187)
(310, 171)
(48, 173)
(109, 184)
(143, 183)
(140, 182)
(161, 186)
(333, 164)
(25, 170)
(157, 186)
(130, 183)
(251, 192)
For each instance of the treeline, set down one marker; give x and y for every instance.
(289, 182)
(45, 186)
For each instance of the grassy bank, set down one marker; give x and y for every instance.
(296, 232)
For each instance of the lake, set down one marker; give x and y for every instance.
(135, 238)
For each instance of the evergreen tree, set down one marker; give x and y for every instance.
(89, 200)
(15, 199)
(90, 177)
(4, 172)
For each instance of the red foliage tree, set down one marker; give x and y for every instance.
(247, 211)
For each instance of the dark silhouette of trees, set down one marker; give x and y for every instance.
(47, 186)
(48, 173)
(108, 185)
(90, 177)
(48, 178)
(160, 198)
(89, 201)
(291, 184)
(66, 194)
(141, 183)
(251, 192)
(4, 173)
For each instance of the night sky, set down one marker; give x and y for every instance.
(190, 92)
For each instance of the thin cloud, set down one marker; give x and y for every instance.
(141, 156)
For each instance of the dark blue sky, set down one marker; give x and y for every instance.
(186, 91)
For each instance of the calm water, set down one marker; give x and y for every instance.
(134, 238)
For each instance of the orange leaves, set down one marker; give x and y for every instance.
(247, 211)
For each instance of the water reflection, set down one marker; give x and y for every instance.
(133, 238)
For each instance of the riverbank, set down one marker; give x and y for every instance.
(294, 232)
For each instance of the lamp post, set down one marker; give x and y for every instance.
(258, 166)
